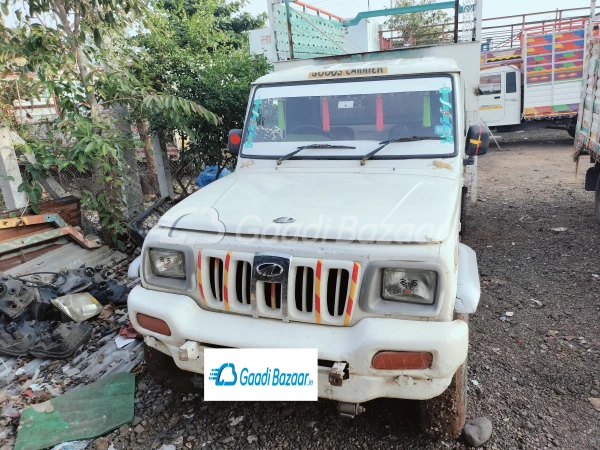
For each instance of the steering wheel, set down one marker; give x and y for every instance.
(311, 128)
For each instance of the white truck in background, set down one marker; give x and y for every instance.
(339, 229)
(537, 82)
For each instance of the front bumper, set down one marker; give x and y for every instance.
(356, 345)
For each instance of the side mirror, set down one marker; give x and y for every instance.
(234, 141)
(478, 141)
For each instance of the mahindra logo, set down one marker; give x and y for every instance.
(284, 220)
(269, 270)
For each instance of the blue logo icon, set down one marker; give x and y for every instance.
(439, 129)
(224, 375)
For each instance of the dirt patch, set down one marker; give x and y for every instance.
(538, 248)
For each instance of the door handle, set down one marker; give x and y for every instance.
(497, 97)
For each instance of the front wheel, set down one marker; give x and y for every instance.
(165, 372)
(444, 416)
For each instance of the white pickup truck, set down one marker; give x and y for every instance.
(338, 230)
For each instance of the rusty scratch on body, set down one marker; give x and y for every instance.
(442, 165)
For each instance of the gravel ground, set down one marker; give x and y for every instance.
(534, 370)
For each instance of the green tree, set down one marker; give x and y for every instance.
(77, 52)
(421, 28)
(199, 50)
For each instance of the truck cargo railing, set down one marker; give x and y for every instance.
(498, 33)
(302, 31)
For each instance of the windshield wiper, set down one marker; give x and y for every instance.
(299, 149)
(383, 144)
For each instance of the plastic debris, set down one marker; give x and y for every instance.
(76, 445)
(209, 175)
(123, 341)
(79, 307)
(61, 340)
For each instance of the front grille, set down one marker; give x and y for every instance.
(216, 278)
(243, 275)
(304, 289)
(272, 295)
(337, 291)
(318, 291)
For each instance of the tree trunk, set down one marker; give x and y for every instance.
(60, 9)
(149, 179)
(132, 190)
(143, 130)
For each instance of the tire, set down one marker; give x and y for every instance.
(165, 372)
(597, 201)
(572, 126)
(444, 416)
(463, 212)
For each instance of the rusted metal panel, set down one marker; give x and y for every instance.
(27, 241)
(8, 234)
(68, 208)
(69, 256)
(15, 261)
(15, 222)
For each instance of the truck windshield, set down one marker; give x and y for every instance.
(357, 113)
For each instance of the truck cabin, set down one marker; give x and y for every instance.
(339, 106)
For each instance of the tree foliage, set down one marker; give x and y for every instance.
(78, 52)
(199, 50)
(420, 26)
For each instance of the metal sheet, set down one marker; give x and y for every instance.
(69, 256)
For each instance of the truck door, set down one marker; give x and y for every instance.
(512, 98)
(491, 98)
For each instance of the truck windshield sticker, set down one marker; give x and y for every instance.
(349, 72)
(253, 122)
(446, 115)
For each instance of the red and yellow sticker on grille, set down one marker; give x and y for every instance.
(351, 294)
(226, 281)
(200, 277)
(318, 290)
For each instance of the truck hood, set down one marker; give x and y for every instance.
(334, 206)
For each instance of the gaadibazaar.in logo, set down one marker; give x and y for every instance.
(226, 375)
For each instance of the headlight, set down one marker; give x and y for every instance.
(410, 286)
(167, 263)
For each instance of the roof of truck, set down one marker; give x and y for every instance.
(406, 66)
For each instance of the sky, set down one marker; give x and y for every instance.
(491, 8)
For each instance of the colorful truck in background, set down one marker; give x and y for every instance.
(536, 83)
